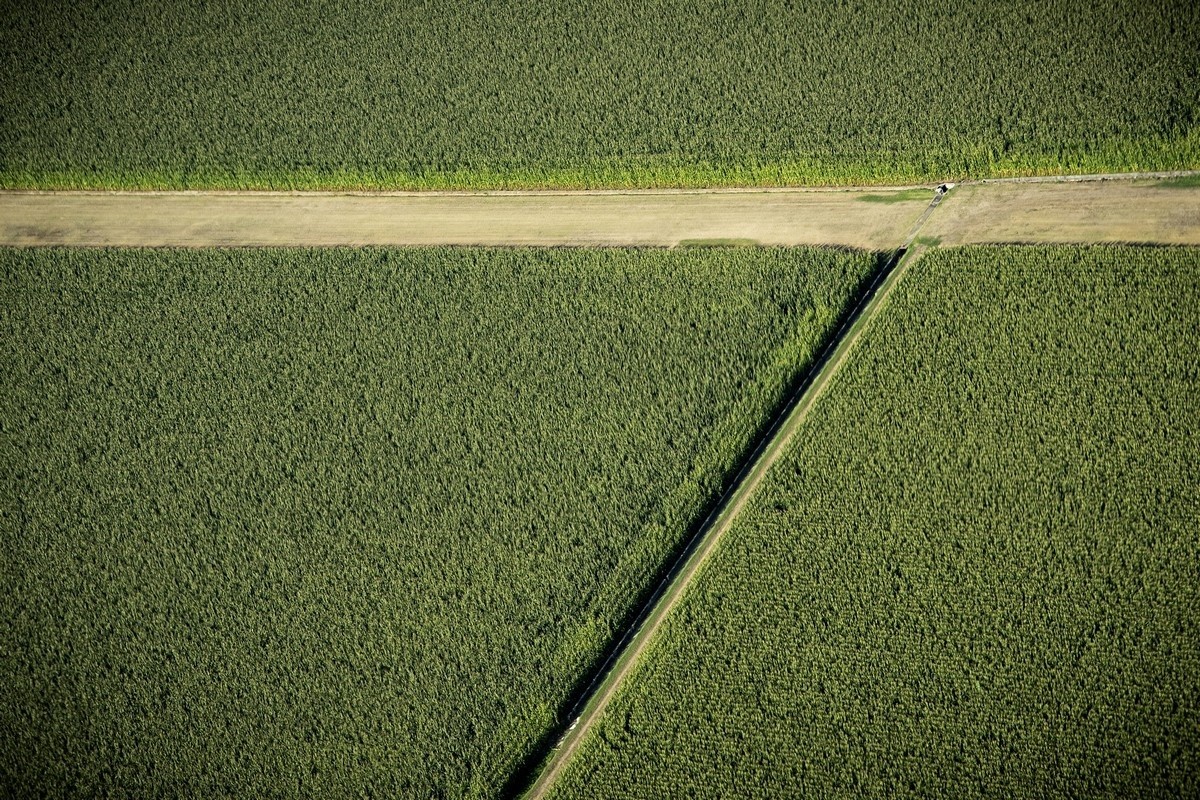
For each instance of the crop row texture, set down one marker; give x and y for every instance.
(480, 93)
(975, 572)
(353, 522)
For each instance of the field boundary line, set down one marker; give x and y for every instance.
(856, 189)
(640, 633)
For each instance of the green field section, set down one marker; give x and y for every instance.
(355, 522)
(487, 94)
(976, 573)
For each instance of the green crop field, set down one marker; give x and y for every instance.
(977, 571)
(473, 93)
(354, 522)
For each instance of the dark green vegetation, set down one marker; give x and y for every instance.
(977, 574)
(1186, 182)
(326, 523)
(480, 93)
(896, 197)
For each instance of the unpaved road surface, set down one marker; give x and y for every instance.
(635, 218)
(1109, 211)
(1054, 211)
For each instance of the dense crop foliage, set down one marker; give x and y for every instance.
(975, 574)
(672, 92)
(329, 523)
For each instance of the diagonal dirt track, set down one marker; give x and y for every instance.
(768, 450)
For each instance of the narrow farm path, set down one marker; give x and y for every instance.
(769, 448)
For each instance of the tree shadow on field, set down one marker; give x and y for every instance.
(530, 766)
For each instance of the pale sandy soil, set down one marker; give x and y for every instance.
(1097, 211)
(641, 218)
(1108, 211)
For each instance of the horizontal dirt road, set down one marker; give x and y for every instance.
(1110, 210)
(551, 218)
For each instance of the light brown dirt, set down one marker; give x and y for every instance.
(636, 218)
(1103, 211)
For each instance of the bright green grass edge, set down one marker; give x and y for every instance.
(979, 162)
(895, 197)
(1188, 182)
